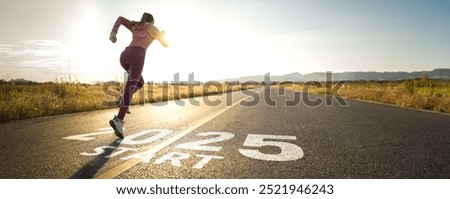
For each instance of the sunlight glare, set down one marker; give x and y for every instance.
(198, 43)
(89, 46)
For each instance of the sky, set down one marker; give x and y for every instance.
(45, 40)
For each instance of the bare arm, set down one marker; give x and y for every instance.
(163, 40)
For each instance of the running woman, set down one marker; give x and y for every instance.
(132, 60)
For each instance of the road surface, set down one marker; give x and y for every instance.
(229, 140)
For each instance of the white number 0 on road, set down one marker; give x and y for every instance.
(289, 151)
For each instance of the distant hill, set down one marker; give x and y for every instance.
(443, 73)
(20, 81)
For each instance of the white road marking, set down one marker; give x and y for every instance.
(132, 139)
(289, 151)
(90, 136)
(205, 159)
(200, 144)
(101, 150)
(174, 157)
(152, 150)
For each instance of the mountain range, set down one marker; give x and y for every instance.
(442, 73)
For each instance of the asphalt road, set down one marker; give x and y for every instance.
(229, 140)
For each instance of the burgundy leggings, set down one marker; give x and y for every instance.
(132, 60)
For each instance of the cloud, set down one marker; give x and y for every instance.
(5, 47)
(33, 59)
(33, 53)
(41, 42)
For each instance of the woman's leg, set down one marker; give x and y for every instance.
(133, 60)
(140, 84)
(124, 63)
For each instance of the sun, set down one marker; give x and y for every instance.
(199, 43)
(90, 51)
(85, 36)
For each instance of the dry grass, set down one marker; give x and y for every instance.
(424, 93)
(38, 100)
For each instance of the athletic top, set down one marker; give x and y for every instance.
(143, 34)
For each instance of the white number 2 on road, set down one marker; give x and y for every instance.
(289, 151)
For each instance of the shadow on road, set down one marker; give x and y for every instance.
(91, 168)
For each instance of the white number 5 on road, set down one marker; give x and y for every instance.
(289, 151)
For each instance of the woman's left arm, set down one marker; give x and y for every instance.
(162, 39)
(154, 32)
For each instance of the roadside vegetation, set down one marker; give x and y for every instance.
(423, 93)
(33, 100)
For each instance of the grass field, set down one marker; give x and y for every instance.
(424, 93)
(47, 99)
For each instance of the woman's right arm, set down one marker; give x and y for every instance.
(122, 21)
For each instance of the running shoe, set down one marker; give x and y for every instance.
(117, 125)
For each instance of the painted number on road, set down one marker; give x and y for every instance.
(134, 138)
(289, 151)
(255, 146)
(90, 136)
(200, 145)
